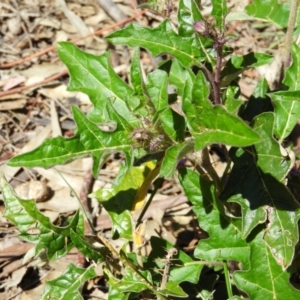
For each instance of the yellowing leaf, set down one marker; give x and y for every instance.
(142, 191)
(128, 189)
(138, 235)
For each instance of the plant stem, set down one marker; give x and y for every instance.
(145, 208)
(225, 173)
(165, 277)
(196, 161)
(218, 65)
(126, 262)
(219, 43)
(289, 33)
(207, 166)
(215, 86)
(80, 203)
(204, 262)
(227, 279)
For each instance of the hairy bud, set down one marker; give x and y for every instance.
(201, 27)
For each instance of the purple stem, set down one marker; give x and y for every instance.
(215, 85)
(219, 64)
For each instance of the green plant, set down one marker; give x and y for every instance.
(250, 214)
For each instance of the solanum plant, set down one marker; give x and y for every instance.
(250, 213)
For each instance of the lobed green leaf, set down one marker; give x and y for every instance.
(88, 140)
(257, 183)
(67, 286)
(177, 76)
(139, 85)
(87, 249)
(271, 11)
(131, 282)
(173, 289)
(26, 216)
(219, 12)
(173, 156)
(225, 242)
(159, 40)
(292, 73)
(119, 200)
(188, 14)
(287, 111)
(232, 102)
(265, 279)
(210, 124)
(172, 123)
(114, 294)
(183, 267)
(94, 76)
(238, 64)
(258, 102)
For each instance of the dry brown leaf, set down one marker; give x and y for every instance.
(50, 22)
(56, 130)
(60, 92)
(36, 292)
(13, 82)
(38, 73)
(37, 190)
(11, 105)
(96, 19)
(75, 20)
(33, 143)
(61, 202)
(17, 276)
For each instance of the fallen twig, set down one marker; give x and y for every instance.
(26, 87)
(98, 32)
